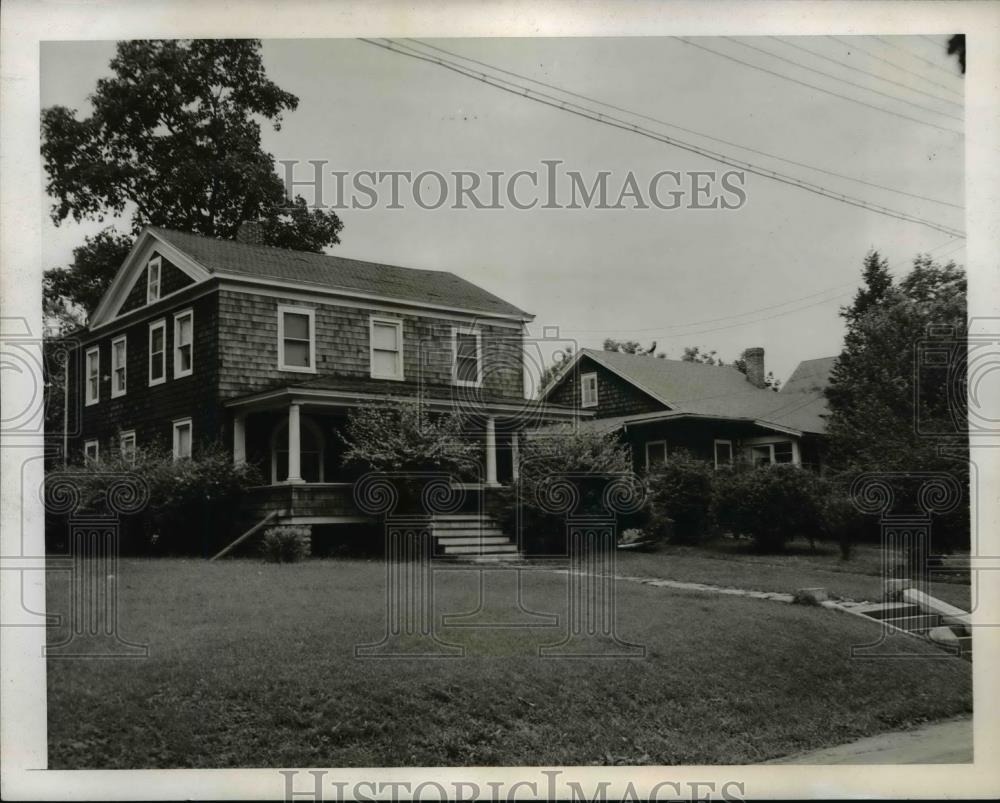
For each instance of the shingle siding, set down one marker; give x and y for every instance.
(615, 396)
(172, 279)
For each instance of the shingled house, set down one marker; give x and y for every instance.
(267, 350)
(715, 413)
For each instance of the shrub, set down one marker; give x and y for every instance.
(771, 505)
(286, 543)
(192, 502)
(680, 498)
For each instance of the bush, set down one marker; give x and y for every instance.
(771, 505)
(192, 502)
(680, 498)
(286, 543)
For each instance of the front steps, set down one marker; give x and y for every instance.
(471, 537)
(950, 632)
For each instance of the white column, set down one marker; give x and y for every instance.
(239, 438)
(515, 455)
(491, 451)
(294, 444)
(796, 455)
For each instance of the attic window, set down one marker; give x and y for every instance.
(153, 270)
(588, 390)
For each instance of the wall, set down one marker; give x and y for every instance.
(615, 396)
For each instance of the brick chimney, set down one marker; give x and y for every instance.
(250, 232)
(754, 358)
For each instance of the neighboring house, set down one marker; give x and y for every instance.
(201, 340)
(715, 413)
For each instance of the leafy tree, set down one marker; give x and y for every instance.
(877, 286)
(559, 360)
(71, 294)
(174, 141)
(632, 347)
(956, 46)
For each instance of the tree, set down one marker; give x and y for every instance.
(876, 384)
(559, 361)
(956, 46)
(70, 294)
(632, 347)
(175, 141)
(877, 285)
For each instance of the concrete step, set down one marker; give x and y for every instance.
(914, 623)
(886, 610)
(481, 550)
(446, 517)
(493, 532)
(508, 557)
(487, 540)
(445, 526)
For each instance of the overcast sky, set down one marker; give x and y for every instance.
(771, 274)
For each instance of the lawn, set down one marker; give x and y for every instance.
(730, 563)
(252, 664)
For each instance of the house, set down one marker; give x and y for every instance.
(715, 413)
(267, 350)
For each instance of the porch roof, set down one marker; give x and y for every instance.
(623, 422)
(340, 391)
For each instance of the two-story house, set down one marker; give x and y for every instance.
(267, 350)
(715, 413)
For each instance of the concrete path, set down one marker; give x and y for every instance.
(946, 742)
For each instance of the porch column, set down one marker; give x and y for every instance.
(491, 451)
(239, 439)
(515, 456)
(294, 444)
(796, 454)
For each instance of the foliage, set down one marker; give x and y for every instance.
(584, 459)
(286, 543)
(560, 360)
(70, 294)
(771, 504)
(174, 141)
(632, 347)
(956, 46)
(680, 498)
(192, 502)
(879, 393)
(405, 437)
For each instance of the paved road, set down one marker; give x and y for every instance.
(947, 742)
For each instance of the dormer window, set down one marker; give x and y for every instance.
(588, 390)
(153, 280)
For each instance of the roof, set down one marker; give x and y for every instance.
(718, 391)
(810, 375)
(433, 287)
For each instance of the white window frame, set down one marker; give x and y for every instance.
(154, 289)
(115, 392)
(160, 324)
(397, 323)
(177, 425)
(97, 451)
(95, 396)
(585, 380)
(715, 451)
(771, 442)
(178, 372)
(310, 312)
(127, 435)
(662, 443)
(466, 383)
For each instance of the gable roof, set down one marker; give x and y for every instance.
(712, 390)
(810, 375)
(432, 287)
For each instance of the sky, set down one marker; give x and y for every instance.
(772, 273)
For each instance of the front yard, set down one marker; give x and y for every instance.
(253, 664)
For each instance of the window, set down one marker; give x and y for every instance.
(468, 352)
(656, 454)
(588, 390)
(93, 389)
(296, 339)
(183, 343)
(126, 445)
(765, 454)
(91, 451)
(760, 455)
(182, 438)
(723, 453)
(157, 352)
(118, 368)
(387, 348)
(153, 280)
(783, 452)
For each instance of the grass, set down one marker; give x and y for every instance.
(252, 665)
(731, 563)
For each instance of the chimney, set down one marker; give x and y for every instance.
(754, 358)
(251, 232)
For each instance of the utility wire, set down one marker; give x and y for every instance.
(865, 72)
(862, 87)
(688, 130)
(916, 56)
(850, 45)
(818, 88)
(572, 108)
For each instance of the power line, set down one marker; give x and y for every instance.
(818, 88)
(911, 54)
(862, 87)
(851, 45)
(866, 72)
(605, 119)
(688, 130)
